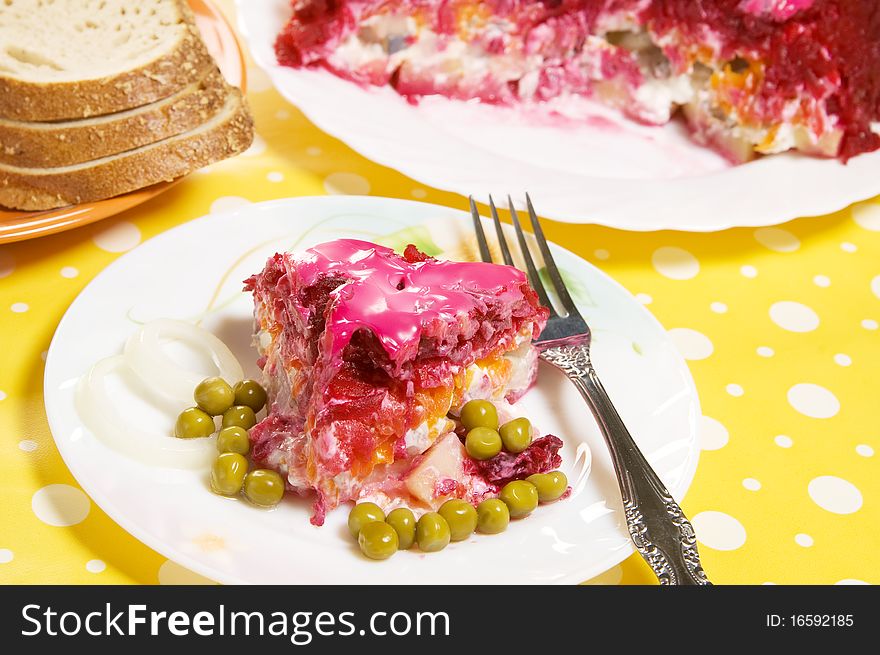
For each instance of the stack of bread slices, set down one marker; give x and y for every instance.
(103, 97)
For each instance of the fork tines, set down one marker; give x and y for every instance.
(531, 269)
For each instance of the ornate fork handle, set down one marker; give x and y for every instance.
(658, 527)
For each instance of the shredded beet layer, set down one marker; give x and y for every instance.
(540, 457)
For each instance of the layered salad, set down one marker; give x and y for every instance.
(369, 358)
(749, 77)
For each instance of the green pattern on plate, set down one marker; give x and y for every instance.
(417, 235)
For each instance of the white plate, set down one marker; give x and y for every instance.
(630, 176)
(195, 271)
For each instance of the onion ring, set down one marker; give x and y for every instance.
(96, 409)
(145, 356)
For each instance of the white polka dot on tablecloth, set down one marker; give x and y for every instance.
(718, 307)
(644, 298)
(777, 239)
(602, 254)
(346, 184)
(6, 556)
(7, 264)
(748, 271)
(713, 434)
(865, 450)
(2, 395)
(691, 344)
(118, 238)
(867, 215)
(735, 390)
(851, 581)
(60, 505)
(719, 530)
(803, 540)
(27, 445)
(95, 566)
(275, 176)
(869, 324)
(842, 360)
(793, 316)
(813, 400)
(675, 263)
(765, 351)
(282, 114)
(314, 151)
(835, 494)
(875, 286)
(69, 272)
(783, 441)
(228, 203)
(257, 148)
(171, 573)
(822, 281)
(846, 246)
(419, 194)
(751, 484)
(19, 307)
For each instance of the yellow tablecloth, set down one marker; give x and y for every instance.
(779, 327)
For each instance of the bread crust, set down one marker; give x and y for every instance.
(129, 171)
(53, 101)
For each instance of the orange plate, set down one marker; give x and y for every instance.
(222, 44)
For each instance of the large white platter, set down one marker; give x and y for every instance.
(194, 272)
(611, 172)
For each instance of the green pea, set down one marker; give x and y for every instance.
(432, 532)
(479, 414)
(233, 440)
(378, 540)
(239, 415)
(264, 488)
(482, 443)
(193, 423)
(461, 517)
(521, 498)
(404, 523)
(550, 486)
(250, 394)
(516, 435)
(213, 396)
(492, 516)
(227, 474)
(361, 514)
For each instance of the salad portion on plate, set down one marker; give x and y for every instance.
(392, 378)
(628, 114)
(420, 420)
(750, 78)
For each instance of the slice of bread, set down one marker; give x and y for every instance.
(225, 134)
(29, 144)
(66, 59)
(32, 144)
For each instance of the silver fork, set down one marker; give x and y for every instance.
(659, 529)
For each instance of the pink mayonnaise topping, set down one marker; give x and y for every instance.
(395, 298)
